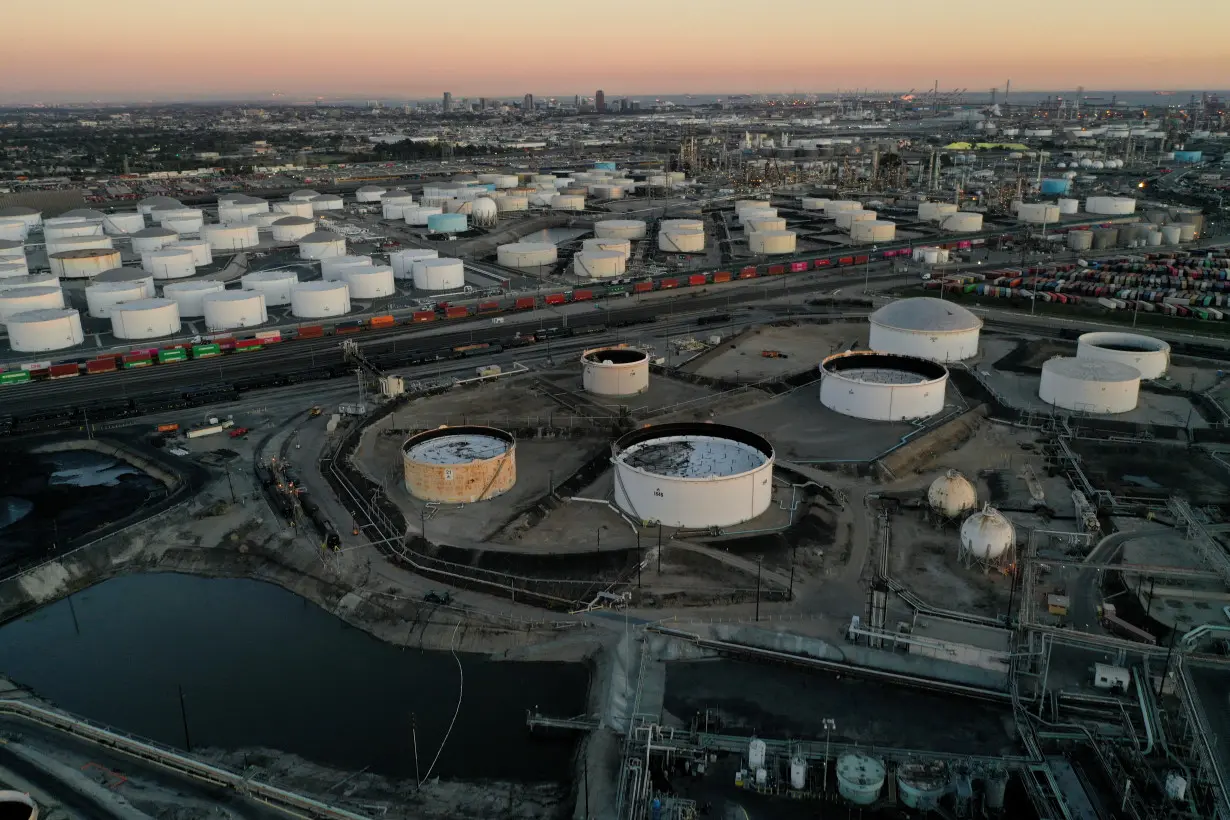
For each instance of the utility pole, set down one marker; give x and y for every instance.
(759, 563)
(183, 716)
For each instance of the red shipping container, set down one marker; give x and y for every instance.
(748, 273)
(776, 269)
(555, 299)
(798, 267)
(822, 263)
(642, 287)
(106, 365)
(424, 316)
(861, 260)
(582, 295)
(697, 279)
(525, 303)
(846, 260)
(60, 371)
(722, 276)
(488, 307)
(456, 313)
(310, 332)
(667, 284)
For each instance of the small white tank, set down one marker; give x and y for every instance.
(145, 319)
(369, 281)
(101, 297)
(320, 244)
(620, 229)
(276, 285)
(152, 239)
(987, 534)
(952, 495)
(202, 255)
(292, 228)
(598, 264)
(439, 274)
(772, 242)
(83, 264)
(404, 259)
(320, 300)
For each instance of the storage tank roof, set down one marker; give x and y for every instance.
(924, 313)
(122, 275)
(160, 200)
(10, 244)
(295, 220)
(370, 189)
(18, 210)
(149, 233)
(320, 236)
(83, 253)
(40, 315)
(144, 304)
(1093, 370)
(84, 213)
(305, 192)
(458, 449)
(395, 193)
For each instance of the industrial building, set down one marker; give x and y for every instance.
(867, 384)
(459, 465)
(923, 326)
(615, 371)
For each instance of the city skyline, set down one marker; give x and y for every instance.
(303, 50)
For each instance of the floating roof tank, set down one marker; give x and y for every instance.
(83, 264)
(319, 244)
(292, 228)
(459, 465)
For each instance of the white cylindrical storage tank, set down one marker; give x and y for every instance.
(1150, 357)
(332, 267)
(447, 223)
(190, 296)
(27, 216)
(14, 268)
(369, 193)
(811, 203)
(749, 214)
(37, 331)
(1037, 213)
(393, 204)
(624, 246)
(615, 371)
(101, 297)
(184, 221)
(304, 195)
(527, 254)
(844, 219)
(681, 240)
(987, 535)
(1080, 240)
(1089, 385)
(169, 263)
(34, 280)
(326, 202)
(371, 282)
(459, 206)
(124, 223)
(1110, 205)
(962, 222)
(860, 778)
(742, 205)
(20, 300)
(1187, 232)
(923, 326)
(63, 227)
(152, 239)
(265, 219)
(1154, 238)
(404, 259)
(836, 206)
(83, 264)
(13, 229)
(935, 211)
(275, 285)
(1068, 207)
(77, 243)
(138, 275)
(1171, 234)
(145, 319)
(154, 203)
(758, 223)
(693, 475)
(230, 237)
(508, 203)
(291, 208)
(568, 202)
(201, 253)
(231, 309)
(320, 300)
(459, 465)
(873, 230)
(620, 229)
(772, 242)
(439, 274)
(418, 215)
(319, 244)
(12, 250)
(867, 384)
(292, 228)
(598, 264)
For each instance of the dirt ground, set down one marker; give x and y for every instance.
(804, 345)
(1154, 469)
(502, 402)
(924, 557)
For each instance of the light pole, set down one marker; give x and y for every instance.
(829, 726)
(759, 562)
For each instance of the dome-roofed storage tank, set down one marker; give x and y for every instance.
(418, 215)
(598, 264)
(147, 206)
(459, 465)
(20, 300)
(101, 297)
(624, 246)
(332, 268)
(145, 319)
(404, 259)
(1150, 357)
(231, 237)
(924, 326)
(292, 228)
(867, 384)
(509, 203)
(764, 223)
(568, 202)
(169, 263)
(987, 535)
(12, 249)
(231, 309)
(873, 230)
(276, 285)
(620, 229)
(844, 219)
(181, 220)
(836, 206)
(369, 193)
(527, 254)
(34, 280)
(326, 202)
(1089, 385)
(962, 222)
(303, 209)
(859, 777)
(615, 371)
(695, 475)
(264, 221)
(319, 244)
(320, 300)
(62, 227)
(369, 282)
(303, 195)
(439, 274)
(140, 275)
(202, 255)
(83, 264)
(37, 331)
(190, 296)
(952, 495)
(11, 267)
(681, 235)
(772, 242)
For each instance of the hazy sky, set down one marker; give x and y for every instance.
(138, 49)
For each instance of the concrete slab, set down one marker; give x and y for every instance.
(804, 345)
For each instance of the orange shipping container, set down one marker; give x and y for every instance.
(167, 428)
(383, 321)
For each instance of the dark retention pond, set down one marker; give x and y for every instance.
(262, 667)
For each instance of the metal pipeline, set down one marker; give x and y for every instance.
(1144, 713)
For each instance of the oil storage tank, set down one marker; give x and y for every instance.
(152, 239)
(231, 237)
(292, 228)
(878, 386)
(147, 206)
(568, 202)
(418, 215)
(769, 243)
(615, 371)
(681, 236)
(369, 282)
(936, 211)
(202, 255)
(1110, 205)
(169, 263)
(1036, 213)
(101, 297)
(1080, 240)
(292, 208)
(274, 285)
(231, 309)
(860, 777)
(694, 475)
(33, 280)
(13, 229)
(145, 278)
(403, 260)
(20, 300)
(37, 331)
(962, 222)
(924, 326)
(620, 229)
(873, 230)
(393, 204)
(319, 244)
(83, 264)
(333, 268)
(122, 224)
(29, 217)
(598, 264)
(76, 243)
(440, 274)
(921, 785)
(624, 246)
(369, 193)
(459, 465)
(326, 202)
(320, 300)
(527, 254)
(1096, 386)
(183, 220)
(145, 319)
(1150, 357)
(447, 223)
(190, 296)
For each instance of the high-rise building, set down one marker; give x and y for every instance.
(600, 102)
(624, 106)
(528, 103)
(448, 101)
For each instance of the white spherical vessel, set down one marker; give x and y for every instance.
(459, 465)
(1097, 386)
(231, 309)
(615, 371)
(83, 264)
(987, 535)
(485, 213)
(1110, 205)
(274, 285)
(292, 228)
(332, 268)
(962, 222)
(369, 193)
(620, 229)
(76, 243)
(772, 242)
(878, 386)
(439, 274)
(130, 276)
(952, 495)
(289, 208)
(598, 264)
(935, 211)
(873, 230)
(37, 331)
(1036, 213)
(624, 246)
(190, 296)
(923, 326)
(1150, 357)
(568, 202)
(404, 259)
(370, 282)
(20, 300)
(232, 237)
(152, 239)
(319, 244)
(145, 319)
(693, 475)
(860, 777)
(320, 300)
(169, 263)
(123, 223)
(202, 255)
(326, 202)
(527, 254)
(101, 297)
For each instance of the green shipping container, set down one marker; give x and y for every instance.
(175, 354)
(615, 290)
(205, 351)
(14, 377)
(146, 362)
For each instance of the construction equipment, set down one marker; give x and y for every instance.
(773, 354)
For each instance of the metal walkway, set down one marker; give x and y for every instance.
(581, 723)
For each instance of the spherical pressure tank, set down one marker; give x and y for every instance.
(987, 535)
(873, 230)
(615, 371)
(935, 211)
(130, 276)
(190, 296)
(695, 475)
(1080, 240)
(101, 297)
(292, 228)
(1068, 207)
(527, 254)
(145, 319)
(38, 331)
(319, 244)
(933, 328)
(447, 223)
(681, 240)
(20, 300)
(169, 263)
(599, 264)
(772, 242)
(201, 253)
(882, 386)
(485, 213)
(83, 264)
(759, 223)
(459, 465)
(369, 193)
(301, 209)
(320, 300)
(1149, 356)
(439, 274)
(568, 202)
(231, 237)
(859, 778)
(620, 229)
(624, 246)
(370, 282)
(952, 495)
(152, 239)
(962, 222)
(76, 243)
(231, 309)
(122, 224)
(1089, 385)
(1110, 205)
(1037, 213)
(275, 285)
(326, 202)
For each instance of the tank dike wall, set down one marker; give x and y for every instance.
(527, 519)
(168, 477)
(920, 452)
